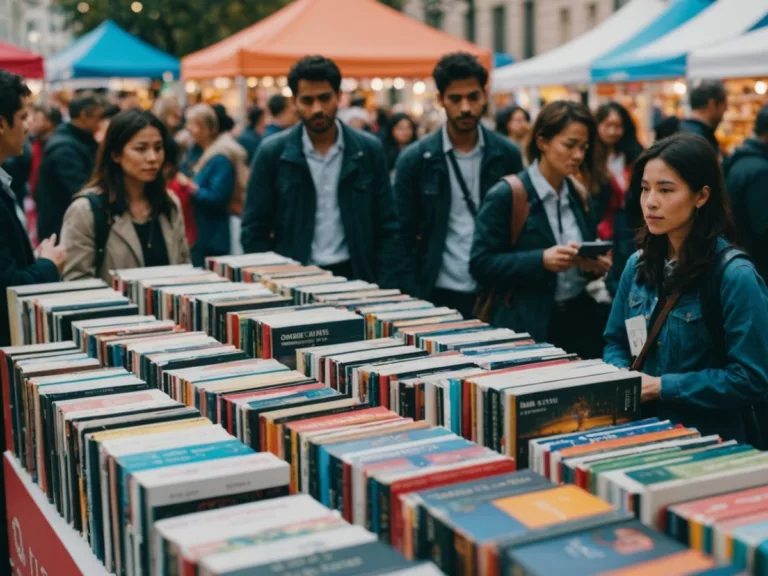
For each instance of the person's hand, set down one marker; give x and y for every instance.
(49, 251)
(597, 266)
(560, 258)
(651, 388)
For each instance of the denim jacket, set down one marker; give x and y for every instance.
(693, 391)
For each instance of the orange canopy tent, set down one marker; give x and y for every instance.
(365, 37)
(20, 61)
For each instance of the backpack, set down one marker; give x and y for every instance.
(101, 226)
(756, 416)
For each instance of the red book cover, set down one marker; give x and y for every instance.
(266, 342)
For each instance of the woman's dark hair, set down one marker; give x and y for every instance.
(504, 115)
(225, 120)
(694, 160)
(458, 66)
(108, 175)
(628, 145)
(553, 119)
(390, 146)
(668, 126)
(314, 69)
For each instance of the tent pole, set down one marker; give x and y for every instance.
(242, 89)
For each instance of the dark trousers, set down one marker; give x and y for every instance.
(464, 302)
(343, 269)
(577, 326)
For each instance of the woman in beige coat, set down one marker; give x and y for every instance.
(144, 220)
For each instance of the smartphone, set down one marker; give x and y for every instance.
(594, 249)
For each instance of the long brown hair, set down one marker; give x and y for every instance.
(694, 160)
(552, 120)
(108, 176)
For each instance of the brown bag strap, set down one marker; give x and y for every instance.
(520, 207)
(651, 340)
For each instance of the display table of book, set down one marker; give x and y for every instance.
(41, 542)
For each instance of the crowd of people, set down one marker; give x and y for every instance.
(494, 223)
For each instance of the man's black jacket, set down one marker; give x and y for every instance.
(746, 179)
(17, 262)
(281, 202)
(67, 165)
(423, 192)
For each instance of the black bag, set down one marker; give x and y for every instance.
(755, 417)
(100, 226)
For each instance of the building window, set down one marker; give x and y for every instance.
(499, 28)
(591, 15)
(565, 25)
(619, 3)
(469, 21)
(434, 18)
(529, 29)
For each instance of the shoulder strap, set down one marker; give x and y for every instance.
(520, 206)
(471, 206)
(711, 305)
(100, 227)
(654, 334)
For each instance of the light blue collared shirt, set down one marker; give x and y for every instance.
(571, 283)
(329, 244)
(454, 274)
(5, 184)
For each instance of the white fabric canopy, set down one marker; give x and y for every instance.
(667, 57)
(741, 57)
(571, 62)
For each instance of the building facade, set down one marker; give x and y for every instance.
(522, 28)
(36, 25)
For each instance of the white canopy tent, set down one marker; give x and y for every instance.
(668, 56)
(741, 57)
(571, 62)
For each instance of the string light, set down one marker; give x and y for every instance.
(377, 84)
(399, 84)
(83, 7)
(419, 87)
(761, 87)
(137, 7)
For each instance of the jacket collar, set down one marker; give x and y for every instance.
(353, 149)
(80, 134)
(122, 226)
(433, 149)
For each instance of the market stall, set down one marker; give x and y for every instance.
(369, 41)
(21, 62)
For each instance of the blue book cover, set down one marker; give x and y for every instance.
(625, 431)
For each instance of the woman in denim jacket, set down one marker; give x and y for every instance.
(687, 220)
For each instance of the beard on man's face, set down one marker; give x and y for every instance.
(319, 123)
(466, 122)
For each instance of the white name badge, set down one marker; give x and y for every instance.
(637, 333)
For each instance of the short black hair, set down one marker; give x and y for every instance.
(83, 103)
(315, 69)
(255, 115)
(761, 121)
(110, 112)
(707, 90)
(12, 94)
(51, 112)
(276, 104)
(458, 66)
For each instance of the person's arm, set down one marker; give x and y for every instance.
(215, 189)
(617, 350)
(260, 203)
(40, 272)
(407, 196)
(493, 262)
(78, 237)
(387, 238)
(744, 380)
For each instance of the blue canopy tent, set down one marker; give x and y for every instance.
(666, 56)
(502, 59)
(108, 51)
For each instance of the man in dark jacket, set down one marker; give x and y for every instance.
(440, 182)
(251, 136)
(67, 165)
(320, 192)
(746, 179)
(282, 112)
(708, 103)
(17, 262)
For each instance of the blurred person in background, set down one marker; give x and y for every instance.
(356, 117)
(19, 168)
(382, 122)
(182, 186)
(45, 120)
(441, 182)
(282, 114)
(746, 180)
(252, 134)
(18, 263)
(220, 176)
(320, 192)
(168, 111)
(514, 122)
(144, 223)
(709, 101)
(68, 160)
(128, 99)
(110, 112)
(400, 132)
(539, 285)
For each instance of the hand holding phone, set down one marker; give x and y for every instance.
(592, 250)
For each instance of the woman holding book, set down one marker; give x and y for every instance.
(691, 312)
(125, 217)
(537, 282)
